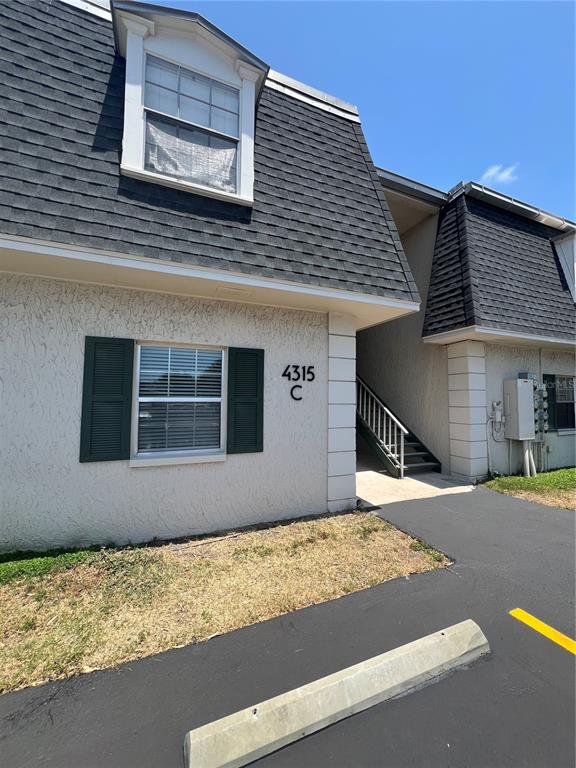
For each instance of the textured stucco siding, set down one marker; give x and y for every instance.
(411, 377)
(506, 362)
(49, 499)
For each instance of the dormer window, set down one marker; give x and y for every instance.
(189, 104)
(192, 126)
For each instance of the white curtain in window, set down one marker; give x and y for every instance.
(193, 155)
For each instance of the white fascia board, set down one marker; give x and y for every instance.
(57, 261)
(99, 8)
(309, 95)
(497, 336)
(501, 200)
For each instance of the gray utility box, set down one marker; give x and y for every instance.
(519, 409)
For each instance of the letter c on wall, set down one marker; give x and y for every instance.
(292, 392)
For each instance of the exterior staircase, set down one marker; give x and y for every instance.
(397, 448)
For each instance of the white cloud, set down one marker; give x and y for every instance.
(498, 174)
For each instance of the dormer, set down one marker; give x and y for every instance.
(190, 102)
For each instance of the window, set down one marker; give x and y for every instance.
(169, 407)
(561, 408)
(564, 402)
(192, 126)
(189, 105)
(179, 400)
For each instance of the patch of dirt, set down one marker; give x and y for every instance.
(556, 498)
(131, 603)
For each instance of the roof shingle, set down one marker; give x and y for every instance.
(319, 215)
(497, 269)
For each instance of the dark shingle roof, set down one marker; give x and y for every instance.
(497, 269)
(319, 217)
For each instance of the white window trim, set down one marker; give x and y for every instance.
(133, 140)
(185, 456)
(197, 126)
(566, 250)
(166, 461)
(171, 181)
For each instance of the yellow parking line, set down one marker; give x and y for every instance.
(545, 629)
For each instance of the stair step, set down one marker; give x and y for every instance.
(420, 460)
(423, 466)
(417, 458)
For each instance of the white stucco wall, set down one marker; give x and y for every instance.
(506, 362)
(49, 499)
(411, 377)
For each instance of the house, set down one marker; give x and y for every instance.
(189, 242)
(194, 250)
(496, 277)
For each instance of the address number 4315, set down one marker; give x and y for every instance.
(299, 373)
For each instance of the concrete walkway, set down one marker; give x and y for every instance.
(516, 709)
(376, 487)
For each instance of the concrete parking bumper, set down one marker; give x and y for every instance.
(256, 731)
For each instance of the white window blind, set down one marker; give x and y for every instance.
(564, 389)
(192, 126)
(179, 399)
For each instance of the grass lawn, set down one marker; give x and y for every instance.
(556, 488)
(66, 613)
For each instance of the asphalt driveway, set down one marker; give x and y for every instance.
(514, 709)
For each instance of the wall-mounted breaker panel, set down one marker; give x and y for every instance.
(519, 409)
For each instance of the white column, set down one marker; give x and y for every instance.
(249, 77)
(467, 409)
(133, 137)
(341, 412)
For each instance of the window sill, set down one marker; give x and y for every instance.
(160, 461)
(566, 431)
(186, 186)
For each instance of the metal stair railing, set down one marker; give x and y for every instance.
(385, 427)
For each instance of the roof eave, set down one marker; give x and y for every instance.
(481, 192)
(411, 188)
(498, 336)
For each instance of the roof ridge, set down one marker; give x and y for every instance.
(469, 292)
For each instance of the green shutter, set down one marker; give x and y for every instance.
(550, 382)
(245, 400)
(106, 399)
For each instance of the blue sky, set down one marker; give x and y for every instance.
(447, 91)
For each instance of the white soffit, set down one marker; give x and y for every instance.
(497, 336)
(408, 211)
(60, 262)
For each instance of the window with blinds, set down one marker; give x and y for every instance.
(179, 399)
(561, 406)
(565, 417)
(564, 389)
(192, 126)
